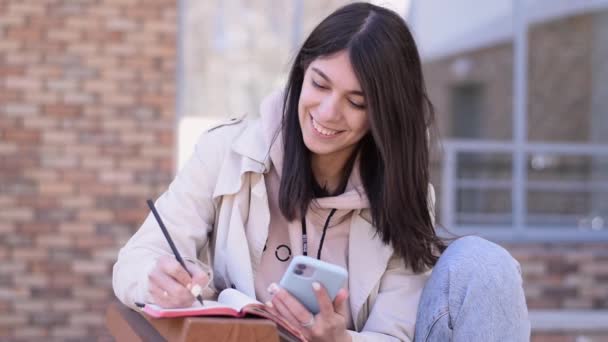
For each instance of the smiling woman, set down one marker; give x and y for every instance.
(335, 167)
(332, 116)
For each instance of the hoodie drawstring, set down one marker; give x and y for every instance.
(305, 238)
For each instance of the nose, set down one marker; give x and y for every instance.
(329, 109)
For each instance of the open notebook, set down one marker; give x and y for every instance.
(230, 303)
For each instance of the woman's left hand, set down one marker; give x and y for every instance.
(328, 325)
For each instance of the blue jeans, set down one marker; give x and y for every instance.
(474, 294)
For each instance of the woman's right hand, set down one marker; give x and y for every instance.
(169, 284)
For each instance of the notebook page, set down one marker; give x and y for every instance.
(235, 299)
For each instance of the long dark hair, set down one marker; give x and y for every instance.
(394, 155)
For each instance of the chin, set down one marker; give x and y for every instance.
(316, 148)
(320, 149)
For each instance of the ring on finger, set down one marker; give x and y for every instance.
(310, 323)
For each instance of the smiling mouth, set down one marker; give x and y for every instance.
(323, 130)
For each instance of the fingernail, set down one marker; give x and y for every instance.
(189, 286)
(196, 290)
(316, 286)
(272, 288)
(269, 304)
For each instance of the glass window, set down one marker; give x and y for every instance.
(483, 189)
(467, 107)
(567, 191)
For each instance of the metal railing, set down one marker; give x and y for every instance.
(519, 223)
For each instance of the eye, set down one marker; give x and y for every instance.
(317, 85)
(356, 105)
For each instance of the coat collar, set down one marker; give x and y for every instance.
(252, 144)
(249, 152)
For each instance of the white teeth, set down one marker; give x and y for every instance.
(323, 130)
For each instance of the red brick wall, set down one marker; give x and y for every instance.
(570, 276)
(87, 96)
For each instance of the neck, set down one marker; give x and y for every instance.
(328, 170)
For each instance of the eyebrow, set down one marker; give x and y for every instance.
(322, 74)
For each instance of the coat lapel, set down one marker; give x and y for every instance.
(248, 144)
(238, 261)
(241, 179)
(259, 220)
(368, 257)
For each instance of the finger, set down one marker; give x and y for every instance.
(326, 307)
(340, 302)
(173, 268)
(282, 320)
(155, 293)
(174, 289)
(284, 312)
(199, 275)
(158, 296)
(270, 307)
(299, 311)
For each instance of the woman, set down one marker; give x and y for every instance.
(338, 159)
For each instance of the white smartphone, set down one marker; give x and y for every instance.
(303, 271)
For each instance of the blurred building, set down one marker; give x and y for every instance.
(520, 90)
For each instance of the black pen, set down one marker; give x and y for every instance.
(170, 241)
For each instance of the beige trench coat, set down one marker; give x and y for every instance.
(218, 193)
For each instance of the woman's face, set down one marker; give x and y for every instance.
(332, 109)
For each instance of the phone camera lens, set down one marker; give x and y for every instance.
(298, 271)
(301, 266)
